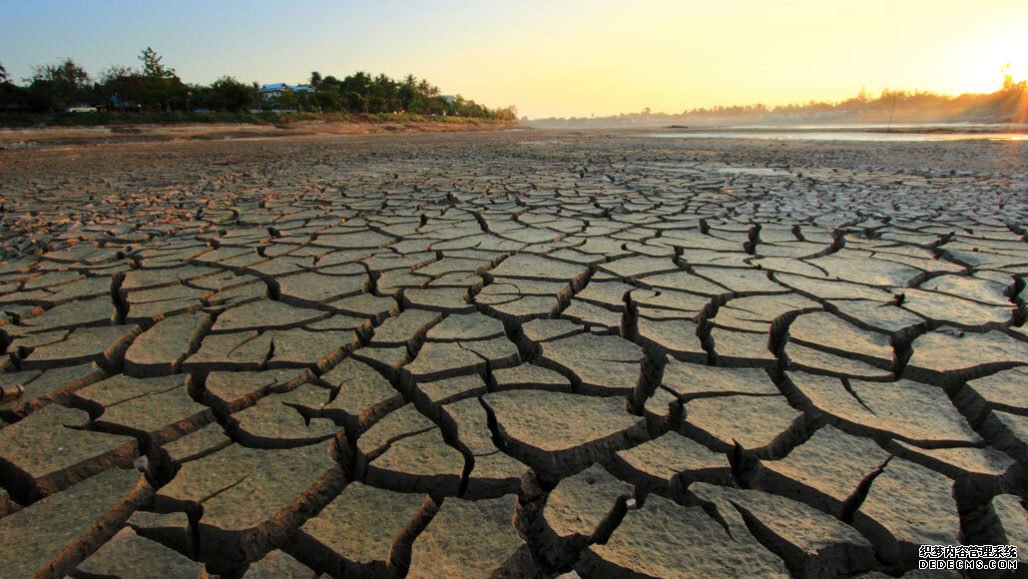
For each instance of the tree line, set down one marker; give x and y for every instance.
(154, 86)
(1007, 104)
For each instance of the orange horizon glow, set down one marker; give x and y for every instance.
(567, 58)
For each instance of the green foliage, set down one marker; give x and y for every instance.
(56, 86)
(156, 87)
(224, 94)
(152, 66)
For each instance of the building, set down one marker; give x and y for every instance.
(275, 90)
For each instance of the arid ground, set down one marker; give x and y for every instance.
(522, 353)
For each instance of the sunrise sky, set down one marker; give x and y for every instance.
(549, 57)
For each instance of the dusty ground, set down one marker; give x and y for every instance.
(526, 353)
(111, 134)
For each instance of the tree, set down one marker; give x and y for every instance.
(114, 72)
(327, 97)
(315, 80)
(228, 94)
(161, 88)
(121, 87)
(152, 66)
(408, 92)
(56, 86)
(12, 96)
(286, 100)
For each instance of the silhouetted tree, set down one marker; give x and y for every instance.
(54, 87)
(232, 95)
(153, 67)
(162, 89)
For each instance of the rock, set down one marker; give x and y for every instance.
(663, 539)
(465, 327)
(529, 376)
(810, 542)
(537, 331)
(55, 534)
(580, 511)
(691, 381)
(250, 498)
(405, 421)
(129, 555)
(472, 538)
(1009, 524)
(161, 349)
(762, 426)
(71, 315)
(671, 462)
(209, 439)
(430, 396)
(824, 331)
(45, 386)
(915, 412)
(493, 473)
(985, 470)
(407, 328)
(734, 348)
(1008, 432)
(233, 391)
(677, 338)
(600, 365)
(314, 287)
(825, 472)
(756, 313)
(362, 529)
(158, 409)
(41, 455)
(277, 564)
(421, 462)
(363, 396)
(1006, 390)
(949, 360)
(803, 359)
(265, 314)
(277, 421)
(944, 308)
(105, 345)
(907, 506)
(560, 434)
(860, 269)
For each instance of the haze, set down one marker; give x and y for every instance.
(566, 58)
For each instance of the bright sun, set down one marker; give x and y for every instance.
(989, 62)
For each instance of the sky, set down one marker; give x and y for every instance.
(549, 57)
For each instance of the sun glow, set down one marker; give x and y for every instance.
(989, 62)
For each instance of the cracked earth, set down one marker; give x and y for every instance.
(521, 354)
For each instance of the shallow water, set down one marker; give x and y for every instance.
(838, 135)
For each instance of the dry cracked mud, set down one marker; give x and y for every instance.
(515, 354)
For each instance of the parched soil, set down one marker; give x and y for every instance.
(49, 136)
(518, 353)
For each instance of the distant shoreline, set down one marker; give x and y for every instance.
(915, 128)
